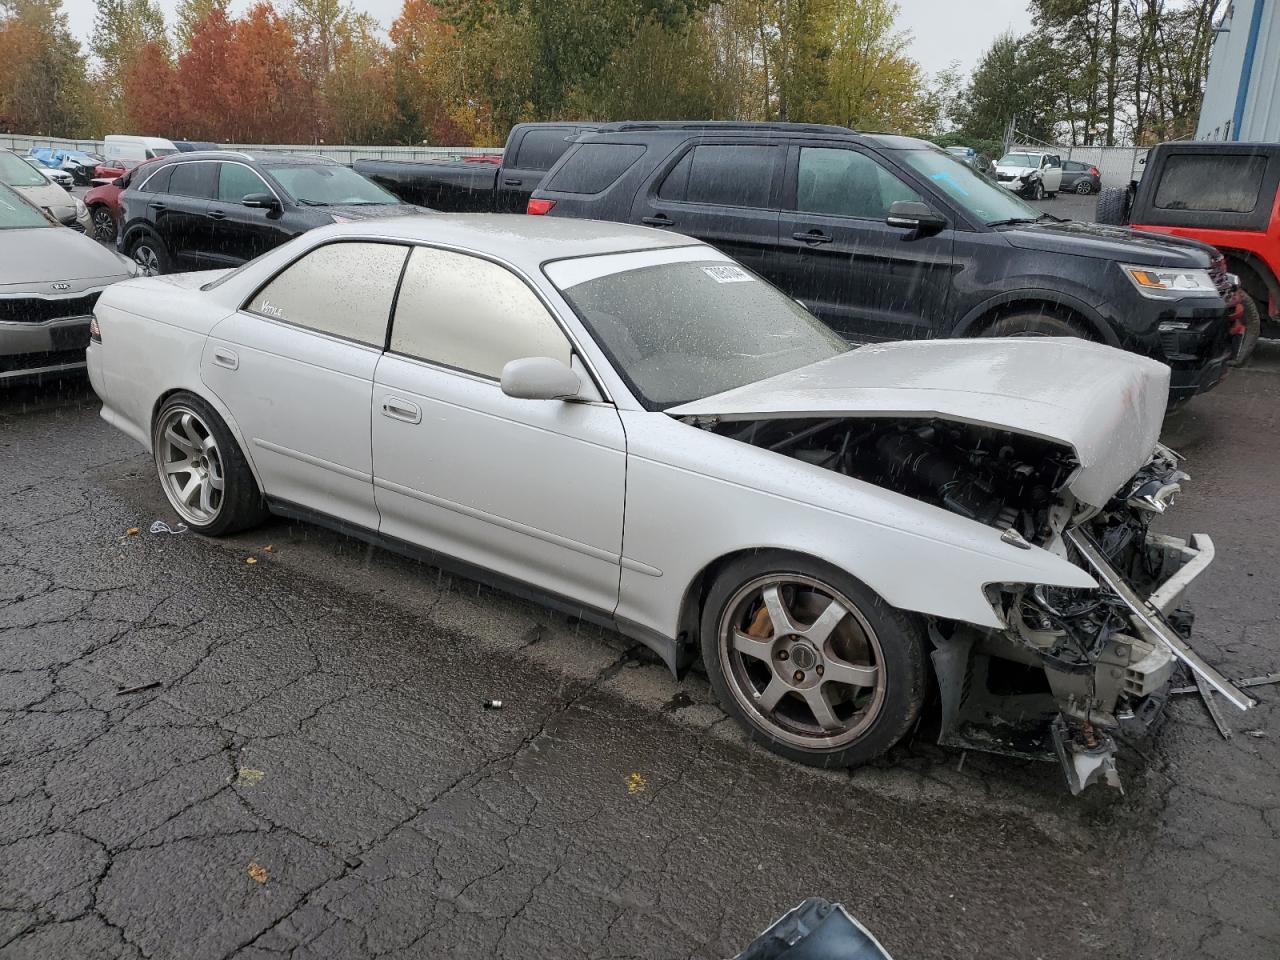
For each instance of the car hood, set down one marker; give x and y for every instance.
(1110, 243)
(31, 260)
(52, 196)
(1016, 171)
(373, 211)
(1105, 404)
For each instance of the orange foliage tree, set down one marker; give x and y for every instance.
(150, 90)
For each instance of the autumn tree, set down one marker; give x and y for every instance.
(150, 93)
(43, 88)
(871, 83)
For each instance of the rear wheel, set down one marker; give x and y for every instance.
(1113, 206)
(1033, 324)
(150, 253)
(202, 471)
(1252, 329)
(1084, 187)
(811, 662)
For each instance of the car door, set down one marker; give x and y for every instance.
(180, 215)
(1052, 173)
(529, 489)
(864, 278)
(241, 233)
(295, 368)
(724, 193)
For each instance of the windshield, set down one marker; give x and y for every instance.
(1019, 160)
(16, 172)
(326, 184)
(17, 214)
(684, 324)
(968, 188)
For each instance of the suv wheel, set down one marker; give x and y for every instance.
(104, 225)
(811, 662)
(1032, 324)
(1252, 329)
(149, 252)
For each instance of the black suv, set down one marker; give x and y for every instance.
(219, 208)
(888, 237)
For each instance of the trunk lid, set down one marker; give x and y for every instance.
(1105, 404)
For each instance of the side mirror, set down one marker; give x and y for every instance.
(914, 215)
(264, 201)
(540, 378)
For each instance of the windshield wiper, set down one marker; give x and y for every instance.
(307, 202)
(1011, 221)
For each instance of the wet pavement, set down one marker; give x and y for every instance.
(313, 773)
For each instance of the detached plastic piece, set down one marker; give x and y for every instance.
(815, 930)
(1083, 763)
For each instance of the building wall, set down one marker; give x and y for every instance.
(1261, 118)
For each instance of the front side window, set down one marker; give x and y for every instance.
(342, 289)
(196, 180)
(732, 175)
(1211, 182)
(846, 183)
(470, 314)
(235, 182)
(328, 184)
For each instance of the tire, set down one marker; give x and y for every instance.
(104, 224)
(1252, 330)
(150, 253)
(189, 431)
(1032, 324)
(1037, 191)
(1113, 206)
(831, 692)
(1084, 187)
(1053, 195)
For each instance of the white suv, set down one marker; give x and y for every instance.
(1031, 175)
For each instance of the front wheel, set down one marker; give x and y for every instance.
(202, 471)
(1037, 191)
(811, 662)
(104, 225)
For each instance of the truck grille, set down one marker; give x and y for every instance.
(39, 310)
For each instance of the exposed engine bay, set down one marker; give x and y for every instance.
(1073, 668)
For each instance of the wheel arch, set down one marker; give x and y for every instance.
(1051, 303)
(1256, 276)
(221, 409)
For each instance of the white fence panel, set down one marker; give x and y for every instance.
(1116, 165)
(344, 153)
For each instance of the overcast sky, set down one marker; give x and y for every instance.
(943, 30)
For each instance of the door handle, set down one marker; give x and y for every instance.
(398, 409)
(659, 220)
(216, 215)
(813, 237)
(226, 358)
(510, 182)
(155, 205)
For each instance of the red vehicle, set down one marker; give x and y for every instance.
(103, 200)
(113, 169)
(1224, 194)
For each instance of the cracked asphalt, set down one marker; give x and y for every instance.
(313, 773)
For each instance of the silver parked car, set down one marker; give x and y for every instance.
(628, 424)
(36, 187)
(50, 278)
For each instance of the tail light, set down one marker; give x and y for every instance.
(1093, 171)
(95, 332)
(537, 208)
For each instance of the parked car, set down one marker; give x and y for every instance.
(36, 187)
(1030, 175)
(59, 177)
(110, 170)
(199, 211)
(887, 237)
(630, 425)
(50, 278)
(1225, 194)
(1082, 178)
(121, 147)
(478, 185)
(78, 163)
(103, 201)
(192, 146)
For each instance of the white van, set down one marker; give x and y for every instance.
(118, 147)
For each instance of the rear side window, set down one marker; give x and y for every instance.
(470, 314)
(727, 174)
(542, 147)
(343, 289)
(1222, 183)
(158, 182)
(198, 180)
(594, 167)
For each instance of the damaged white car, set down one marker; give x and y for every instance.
(627, 424)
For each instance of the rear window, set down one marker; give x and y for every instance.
(541, 148)
(594, 167)
(157, 182)
(727, 174)
(1222, 183)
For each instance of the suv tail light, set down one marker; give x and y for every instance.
(537, 208)
(95, 332)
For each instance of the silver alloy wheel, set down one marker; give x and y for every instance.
(190, 465)
(104, 225)
(1084, 187)
(802, 661)
(145, 256)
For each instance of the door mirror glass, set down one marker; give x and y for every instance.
(540, 378)
(261, 200)
(913, 215)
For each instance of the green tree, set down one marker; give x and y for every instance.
(189, 16)
(871, 84)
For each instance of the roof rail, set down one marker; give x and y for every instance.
(780, 126)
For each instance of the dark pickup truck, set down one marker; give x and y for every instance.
(887, 237)
(462, 186)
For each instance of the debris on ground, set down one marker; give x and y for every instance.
(131, 532)
(257, 872)
(268, 549)
(1261, 681)
(1206, 694)
(1257, 734)
(251, 560)
(492, 704)
(249, 777)
(815, 928)
(160, 526)
(137, 689)
(635, 784)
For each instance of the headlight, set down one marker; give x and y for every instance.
(81, 209)
(1165, 284)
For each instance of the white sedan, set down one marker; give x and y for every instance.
(627, 424)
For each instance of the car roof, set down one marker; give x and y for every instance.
(524, 241)
(627, 132)
(253, 156)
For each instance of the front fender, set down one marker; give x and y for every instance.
(972, 320)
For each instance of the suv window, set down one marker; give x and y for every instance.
(158, 182)
(846, 183)
(727, 174)
(343, 289)
(594, 167)
(196, 179)
(236, 181)
(471, 314)
(542, 147)
(1223, 183)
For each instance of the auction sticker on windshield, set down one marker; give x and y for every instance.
(727, 273)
